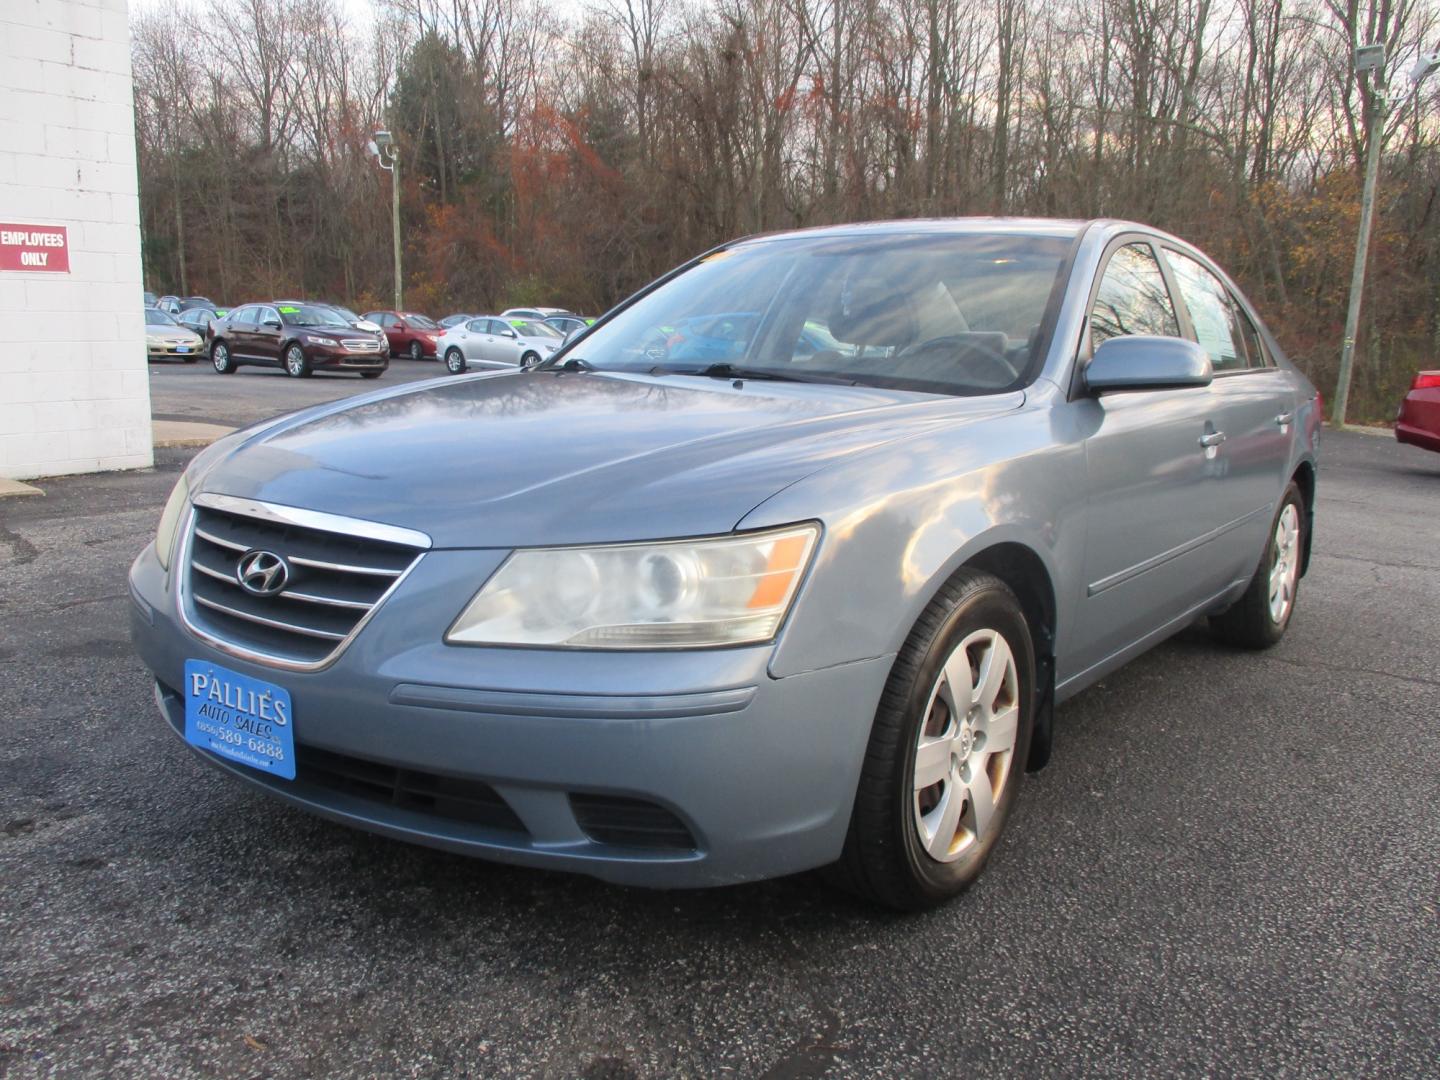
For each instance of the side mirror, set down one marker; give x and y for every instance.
(397, 325)
(273, 324)
(1141, 362)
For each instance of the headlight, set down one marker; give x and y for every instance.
(727, 590)
(315, 340)
(170, 520)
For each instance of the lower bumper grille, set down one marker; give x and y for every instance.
(627, 822)
(470, 801)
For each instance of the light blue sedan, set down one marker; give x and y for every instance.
(813, 605)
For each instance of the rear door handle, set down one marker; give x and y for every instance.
(1285, 419)
(1214, 438)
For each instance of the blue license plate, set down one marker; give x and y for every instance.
(240, 718)
(182, 348)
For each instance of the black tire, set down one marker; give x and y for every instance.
(297, 364)
(221, 359)
(417, 351)
(884, 859)
(529, 360)
(371, 374)
(1250, 623)
(455, 362)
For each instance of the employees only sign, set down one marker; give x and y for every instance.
(35, 248)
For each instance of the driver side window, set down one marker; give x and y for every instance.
(1132, 298)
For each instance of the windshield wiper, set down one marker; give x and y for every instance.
(727, 370)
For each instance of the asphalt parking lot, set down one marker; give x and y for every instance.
(1229, 868)
(197, 393)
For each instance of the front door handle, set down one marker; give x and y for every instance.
(1285, 419)
(1214, 438)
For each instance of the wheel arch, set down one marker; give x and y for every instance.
(1304, 478)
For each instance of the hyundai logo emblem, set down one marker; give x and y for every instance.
(262, 573)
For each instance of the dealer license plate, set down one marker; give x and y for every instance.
(182, 348)
(240, 718)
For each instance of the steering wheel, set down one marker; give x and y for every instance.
(948, 346)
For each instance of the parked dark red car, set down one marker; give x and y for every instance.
(298, 336)
(1419, 420)
(410, 333)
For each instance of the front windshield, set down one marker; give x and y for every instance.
(421, 322)
(951, 314)
(156, 317)
(526, 328)
(312, 315)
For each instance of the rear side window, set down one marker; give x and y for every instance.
(1132, 298)
(1254, 344)
(477, 326)
(1215, 315)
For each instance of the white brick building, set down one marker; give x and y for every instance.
(74, 388)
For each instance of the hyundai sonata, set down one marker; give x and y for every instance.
(709, 621)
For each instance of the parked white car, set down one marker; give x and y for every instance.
(496, 342)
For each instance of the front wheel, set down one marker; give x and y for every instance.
(220, 358)
(529, 360)
(296, 364)
(455, 362)
(1259, 618)
(947, 749)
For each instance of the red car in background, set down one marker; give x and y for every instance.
(1418, 422)
(410, 333)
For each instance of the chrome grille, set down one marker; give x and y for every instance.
(336, 578)
(355, 345)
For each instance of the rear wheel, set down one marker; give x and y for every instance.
(455, 362)
(221, 359)
(297, 366)
(417, 351)
(1259, 618)
(947, 749)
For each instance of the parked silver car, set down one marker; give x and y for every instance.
(703, 621)
(490, 341)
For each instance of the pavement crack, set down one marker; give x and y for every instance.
(64, 605)
(1377, 562)
(1416, 679)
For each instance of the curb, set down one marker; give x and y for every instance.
(16, 488)
(169, 434)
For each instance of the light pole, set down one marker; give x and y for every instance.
(1369, 58)
(387, 154)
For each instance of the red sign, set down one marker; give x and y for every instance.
(35, 248)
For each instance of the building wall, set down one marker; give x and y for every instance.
(74, 388)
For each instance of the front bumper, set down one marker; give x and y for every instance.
(760, 772)
(166, 351)
(339, 358)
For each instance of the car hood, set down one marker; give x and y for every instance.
(544, 457)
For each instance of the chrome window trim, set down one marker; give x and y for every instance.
(314, 519)
(293, 516)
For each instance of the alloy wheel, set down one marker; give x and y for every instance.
(966, 746)
(295, 361)
(1284, 563)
